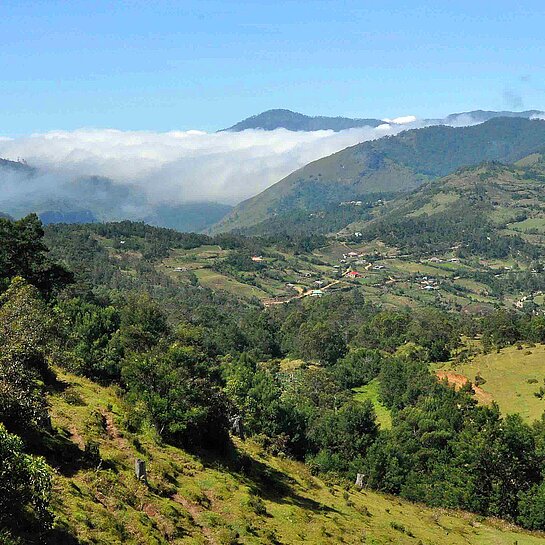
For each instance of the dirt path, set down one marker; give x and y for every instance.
(114, 435)
(194, 512)
(305, 293)
(76, 437)
(458, 381)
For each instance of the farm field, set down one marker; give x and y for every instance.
(279, 275)
(217, 281)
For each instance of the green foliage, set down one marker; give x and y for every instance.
(23, 253)
(343, 437)
(180, 388)
(25, 481)
(357, 368)
(89, 328)
(322, 341)
(27, 337)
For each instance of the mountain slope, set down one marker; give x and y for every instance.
(293, 121)
(479, 116)
(390, 164)
(252, 498)
(491, 210)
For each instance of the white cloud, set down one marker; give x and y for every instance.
(184, 166)
(403, 120)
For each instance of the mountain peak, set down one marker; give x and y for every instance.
(294, 121)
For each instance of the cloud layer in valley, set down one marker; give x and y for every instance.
(177, 166)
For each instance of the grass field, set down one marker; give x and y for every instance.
(371, 391)
(204, 500)
(507, 376)
(217, 281)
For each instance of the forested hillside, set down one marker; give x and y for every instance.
(391, 164)
(490, 211)
(293, 121)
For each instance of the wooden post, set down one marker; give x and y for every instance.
(359, 480)
(140, 470)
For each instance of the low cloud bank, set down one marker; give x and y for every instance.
(177, 167)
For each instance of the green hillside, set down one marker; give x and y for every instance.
(391, 164)
(254, 417)
(252, 498)
(491, 211)
(512, 377)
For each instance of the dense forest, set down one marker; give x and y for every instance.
(190, 362)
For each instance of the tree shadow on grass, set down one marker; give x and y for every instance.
(61, 453)
(28, 531)
(263, 480)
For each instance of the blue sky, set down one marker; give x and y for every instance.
(205, 65)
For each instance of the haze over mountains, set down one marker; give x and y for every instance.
(190, 180)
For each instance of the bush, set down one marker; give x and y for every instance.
(25, 482)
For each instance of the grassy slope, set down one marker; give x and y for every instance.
(371, 391)
(507, 374)
(204, 501)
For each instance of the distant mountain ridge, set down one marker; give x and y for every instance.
(295, 121)
(391, 164)
(480, 116)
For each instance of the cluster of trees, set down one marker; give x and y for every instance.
(503, 327)
(28, 342)
(446, 451)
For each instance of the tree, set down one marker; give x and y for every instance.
(185, 403)
(357, 368)
(322, 341)
(27, 338)
(346, 434)
(23, 253)
(142, 323)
